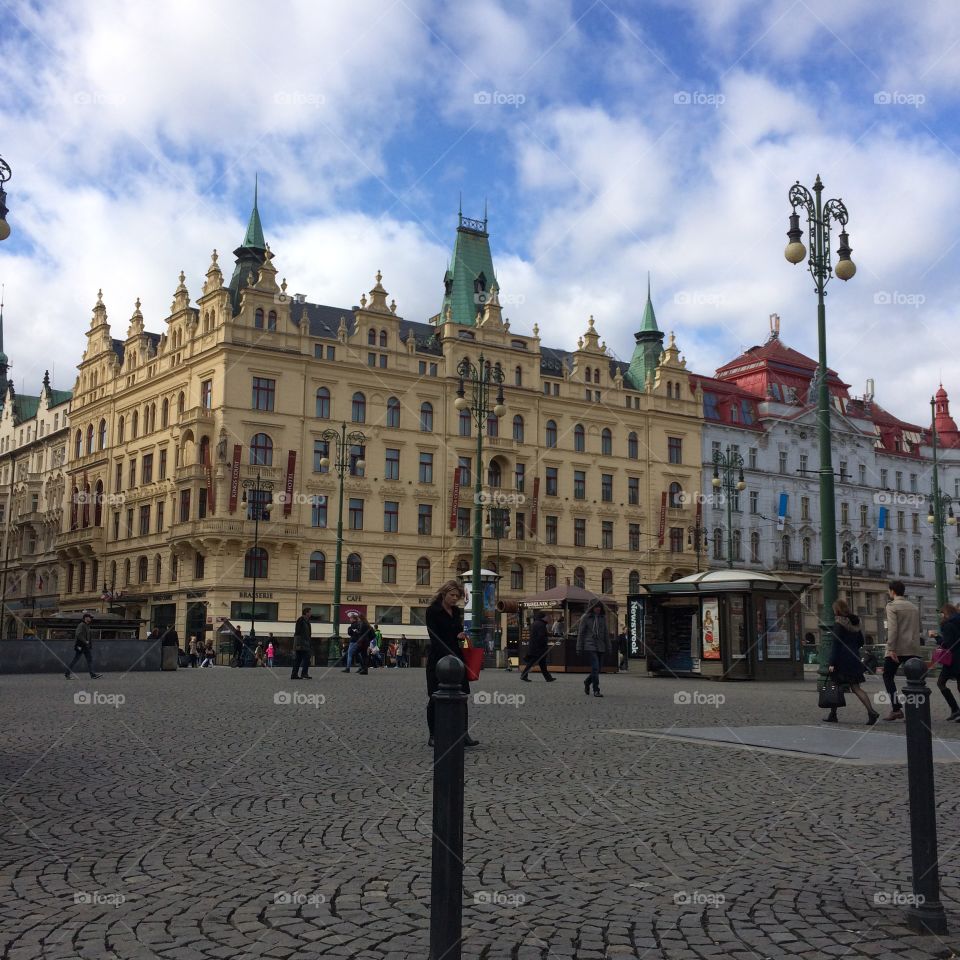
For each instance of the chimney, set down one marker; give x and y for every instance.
(868, 393)
(299, 298)
(774, 326)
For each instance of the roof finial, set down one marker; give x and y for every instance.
(648, 285)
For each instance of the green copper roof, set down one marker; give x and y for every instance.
(59, 396)
(649, 317)
(470, 274)
(646, 354)
(254, 234)
(24, 407)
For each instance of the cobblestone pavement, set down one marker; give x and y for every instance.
(197, 815)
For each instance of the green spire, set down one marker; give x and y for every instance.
(469, 279)
(3, 356)
(649, 322)
(254, 235)
(646, 354)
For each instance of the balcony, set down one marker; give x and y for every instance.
(80, 538)
(192, 471)
(238, 528)
(197, 417)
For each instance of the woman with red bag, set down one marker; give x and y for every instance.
(947, 655)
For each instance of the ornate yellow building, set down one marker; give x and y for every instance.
(169, 432)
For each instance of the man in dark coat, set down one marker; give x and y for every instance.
(82, 647)
(301, 647)
(593, 638)
(537, 648)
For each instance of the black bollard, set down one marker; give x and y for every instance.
(925, 914)
(446, 884)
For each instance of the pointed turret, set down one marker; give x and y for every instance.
(470, 277)
(646, 353)
(254, 235)
(947, 433)
(250, 254)
(4, 361)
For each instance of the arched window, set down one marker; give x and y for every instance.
(142, 570)
(203, 457)
(462, 567)
(354, 568)
(258, 318)
(256, 563)
(805, 549)
(157, 568)
(902, 557)
(580, 578)
(181, 404)
(516, 576)
(121, 432)
(423, 572)
(102, 440)
(371, 337)
(579, 438)
(126, 572)
(718, 544)
(917, 564)
(393, 413)
(633, 446)
(358, 409)
(606, 581)
(74, 503)
(383, 338)
(493, 425)
(153, 417)
(272, 320)
(98, 505)
(494, 474)
(78, 444)
(165, 413)
(551, 433)
(785, 549)
(596, 375)
(606, 442)
(261, 451)
(549, 578)
(518, 377)
(675, 495)
(737, 545)
(388, 572)
(323, 403)
(318, 565)
(426, 417)
(86, 505)
(754, 547)
(464, 423)
(588, 375)
(90, 447)
(518, 428)
(633, 582)
(887, 559)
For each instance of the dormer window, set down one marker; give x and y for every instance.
(480, 284)
(447, 286)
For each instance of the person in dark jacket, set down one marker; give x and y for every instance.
(537, 648)
(444, 620)
(364, 637)
(845, 666)
(593, 638)
(353, 631)
(82, 647)
(301, 647)
(949, 639)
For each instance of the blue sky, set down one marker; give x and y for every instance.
(615, 138)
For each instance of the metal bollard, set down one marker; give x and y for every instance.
(446, 886)
(926, 914)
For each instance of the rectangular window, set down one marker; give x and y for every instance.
(754, 501)
(913, 483)
(901, 520)
(184, 506)
(383, 361)
(916, 522)
(146, 471)
(391, 467)
(356, 514)
(144, 520)
(863, 473)
(579, 532)
(675, 449)
(159, 516)
(264, 391)
(118, 480)
(426, 467)
(899, 479)
(133, 473)
(883, 479)
(318, 512)
(433, 369)
(553, 484)
(783, 461)
(198, 567)
(804, 508)
(579, 485)
(202, 503)
(863, 514)
(633, 491)
(463, 521)
(633, 537)
(551, 528)
(464, 464)
(321, 451)
(606, 535)
(803, 463)
(162, 466)
(391, 516)
(206, 394)
(714, 449)
(676, 540)
(422, 368)
(116, 526)
(425, 519)
(520, 526)
(844, 512)
(606, 487)
(519, 476)
(752, 458)
(389, 614)
(331, 353)
(371, 359)
(357, 453)
(130, 521)
(844, 476)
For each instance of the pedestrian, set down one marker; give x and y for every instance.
(258, 654)
(270, 652)
(593, 638)
(402, 648)
(392, 655)
(208, 655)
(444, 620)
(845, 667)
(365, 637)
(352, 632)
(558, 625)
(903, 641)
(83, 647)
(538, 647)
(948, 656)
(237, 647)
(623, 645)
(378, 636)
(301, 647)
(193, 651)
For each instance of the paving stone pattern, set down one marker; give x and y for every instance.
(192, 816)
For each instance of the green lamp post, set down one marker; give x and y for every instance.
(482, 378)
(820, 217)
(940, 515)
(728, 476)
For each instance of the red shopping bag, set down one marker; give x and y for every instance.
(473, 661)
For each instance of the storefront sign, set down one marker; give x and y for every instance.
(248, 595)
(455, 499)
(196, 594)
(288, 486)
(777, 629)
(426, 601)
(636, 622)
(235, 477)
(663, 517)
(346, 609)
(535, 507)
(710, 631)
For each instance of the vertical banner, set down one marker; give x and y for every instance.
(782, 511)
(288, 485)
(881, 523)
(535, 507)
(710, 631)
(235, 477)
(663, 518)
(455, 499)
(698, 526)
(86, 500)
(208, 476)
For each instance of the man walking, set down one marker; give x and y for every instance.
(537, 648)
(82, 647)
(353, 635)
(301, 647)
(593, 638)
(903, 642)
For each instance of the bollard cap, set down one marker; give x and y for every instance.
(450, 671)
(915, 669)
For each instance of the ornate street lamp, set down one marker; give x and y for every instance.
(261, 496)
(725, 465)
(5, 175)
(941, 514)
(851, 557)
(343, 443)
(498, 527)
(819, 220)
(482, 378)
(697, 538)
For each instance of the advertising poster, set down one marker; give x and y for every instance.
(710, 634)
(777, 629)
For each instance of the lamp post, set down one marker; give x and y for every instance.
(482, 377)
(819, 219)
(261, 496)
(941, 512)
(851, 557)
(697, 538)
(343, 443)
(5, 175)
(725, 465)
(498, 524)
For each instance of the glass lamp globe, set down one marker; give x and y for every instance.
(461, 403)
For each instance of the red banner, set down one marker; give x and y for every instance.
(663, 517)
(208, 476)
(288, 486)
(86, 500)
(534, 506)
(235, 477)
(455, 499)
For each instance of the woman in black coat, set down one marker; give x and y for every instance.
(949, 639)
(537, 648)
(845, 666)
(365, 637)
(445, 630)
